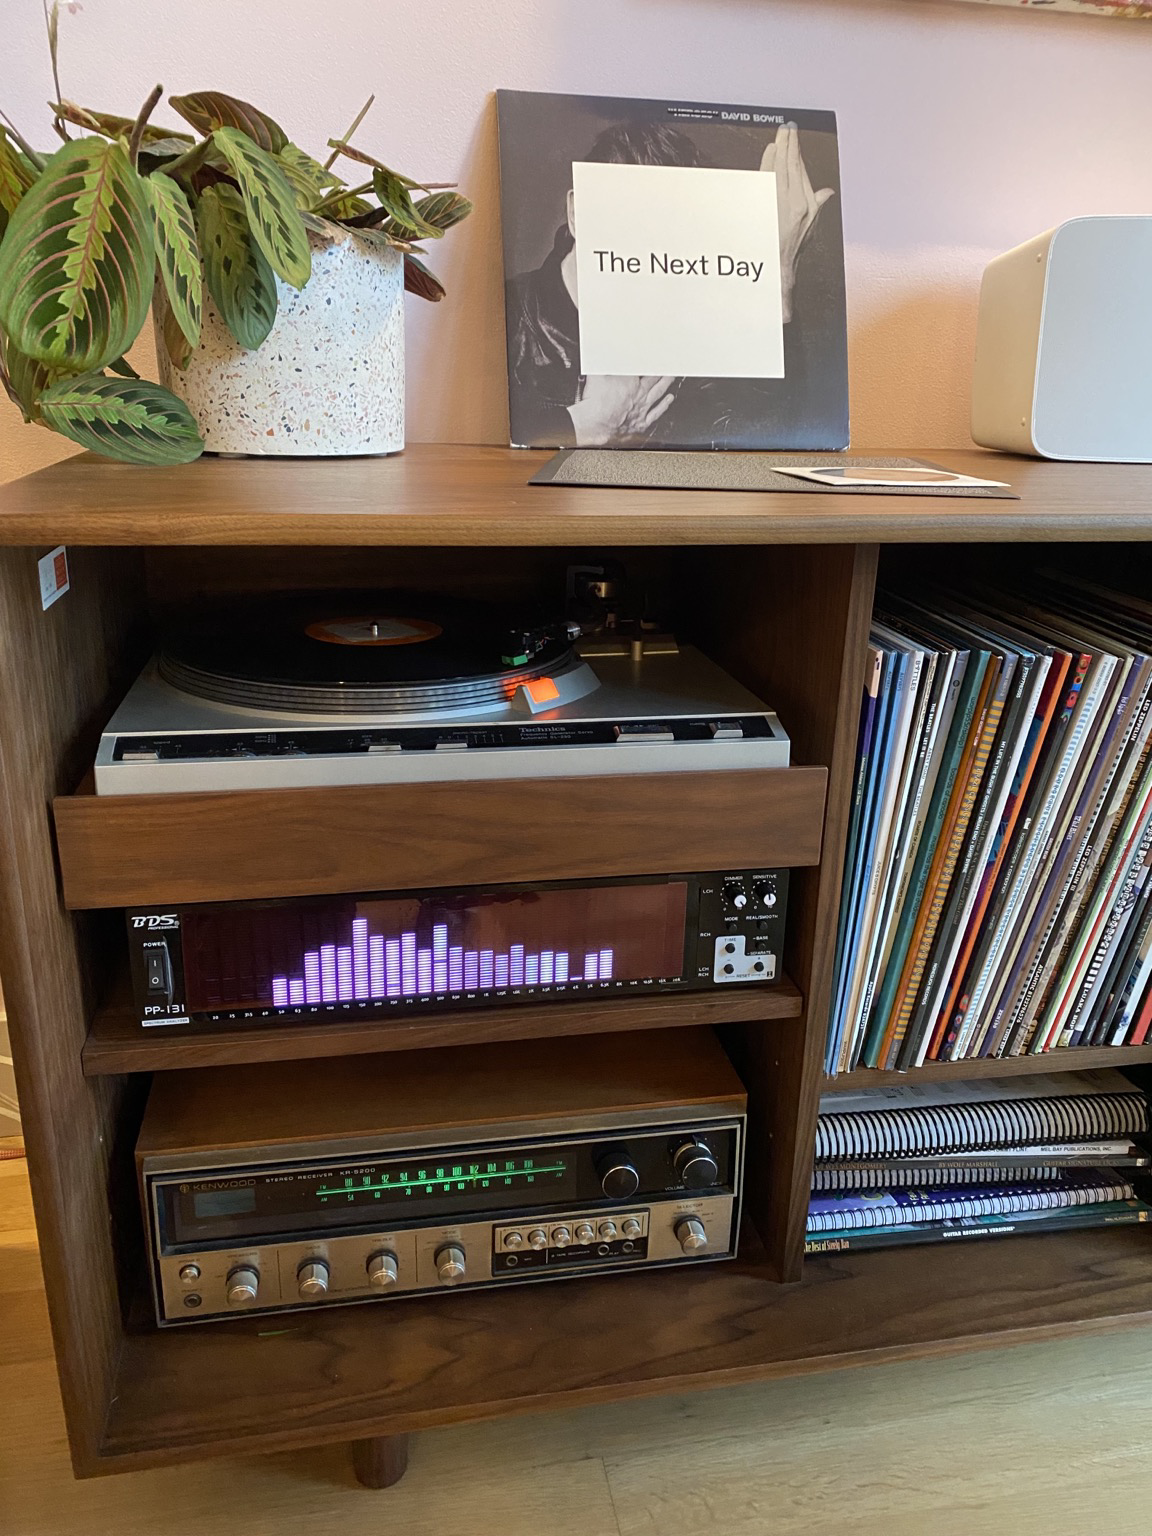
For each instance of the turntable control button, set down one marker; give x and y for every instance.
(451, 746)
(643, 732)
(384, 746)
(139, 757)
(727, 731)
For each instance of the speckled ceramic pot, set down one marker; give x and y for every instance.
(329, 380)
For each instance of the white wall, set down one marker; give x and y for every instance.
(964, 129)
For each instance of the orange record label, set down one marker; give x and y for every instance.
(372, 630)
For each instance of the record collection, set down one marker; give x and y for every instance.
(914, 1163)
(996, 899)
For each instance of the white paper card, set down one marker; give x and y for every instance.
(53, 571)
(678, 271)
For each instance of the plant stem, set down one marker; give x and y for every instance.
(52, 22)
(22, 143)
(142, 117)
(356, 121)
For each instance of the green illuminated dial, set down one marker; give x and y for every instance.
(433, 1179)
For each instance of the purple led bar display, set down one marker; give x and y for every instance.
(344, 951)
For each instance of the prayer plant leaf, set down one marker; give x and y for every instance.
(209, 110)
(77, 261)
(128, 419)
(238, 277)
(178, 252)
(269, 204)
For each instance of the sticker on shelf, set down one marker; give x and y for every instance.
(54, 579)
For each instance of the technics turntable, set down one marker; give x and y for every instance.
(366, 688)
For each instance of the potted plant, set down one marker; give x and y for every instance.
(278, 286)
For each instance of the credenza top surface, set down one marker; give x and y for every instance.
(455, 495)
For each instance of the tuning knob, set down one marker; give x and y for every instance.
(695, 1164)
(618, 1177)
(242, 1286)
(312, 1280)
(383, 1271)
(451, 1266)
(690, 1234)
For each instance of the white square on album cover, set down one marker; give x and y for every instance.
(678, 270)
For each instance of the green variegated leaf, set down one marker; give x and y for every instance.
(239, 279)
(272, 214)
(178, 251)
(77, 260)
(26, 380)
(394, 197)
(418, 280)
(175, 341)
(123, 367)
(343, 205)
(209, 110)
(160, 150)
(380, 239)
(17, 173)
(113, 127)
(443, 209)
(307, 177)
(315, 225)
(128, 419)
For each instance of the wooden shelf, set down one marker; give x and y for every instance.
(437, 495)
(1079, 1059)
(133, 850)
(391, 1367)
(116, 1042)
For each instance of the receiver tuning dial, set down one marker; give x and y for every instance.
(243, 1286)
(695, 1164)
(451, 1265)
(312, 1280)
(618, 1177)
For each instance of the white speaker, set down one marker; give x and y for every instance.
(1064, 344)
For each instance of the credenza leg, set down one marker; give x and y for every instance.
(380, 1462)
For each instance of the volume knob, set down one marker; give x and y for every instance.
(312, 1280)
(451, 1265)
(695, 1164)
(242, 1286)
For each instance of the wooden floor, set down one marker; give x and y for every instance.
(1047, 1440)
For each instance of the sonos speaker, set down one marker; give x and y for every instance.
(1064, 344)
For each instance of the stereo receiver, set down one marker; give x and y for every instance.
(272, 1187)
(418, 951)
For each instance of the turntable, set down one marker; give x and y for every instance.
(364, 688)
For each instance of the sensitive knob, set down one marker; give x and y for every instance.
(690, 1234)
(312, 1280)
(764, 893)
(618, 1177)
(242, 1286)
(383, 1271)
(451, 1266)
(695, 1164)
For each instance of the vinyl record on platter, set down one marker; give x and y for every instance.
(361, 653)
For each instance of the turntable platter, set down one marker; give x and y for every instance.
(386, 653)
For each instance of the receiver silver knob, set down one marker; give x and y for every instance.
(631, 1227)
(312, 1280)
(242, 1286)
(561, 1236)
(690, 1234)
(585, 1232)
(695, 1164)
(537, 1238)
(451, 1265)
(383, 1270)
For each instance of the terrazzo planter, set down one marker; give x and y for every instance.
(329, 379)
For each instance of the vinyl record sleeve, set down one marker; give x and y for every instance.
(754, 284)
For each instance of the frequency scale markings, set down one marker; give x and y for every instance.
(452, 1178)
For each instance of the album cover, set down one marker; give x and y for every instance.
(674, 274)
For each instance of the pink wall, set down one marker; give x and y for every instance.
(964, 130)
